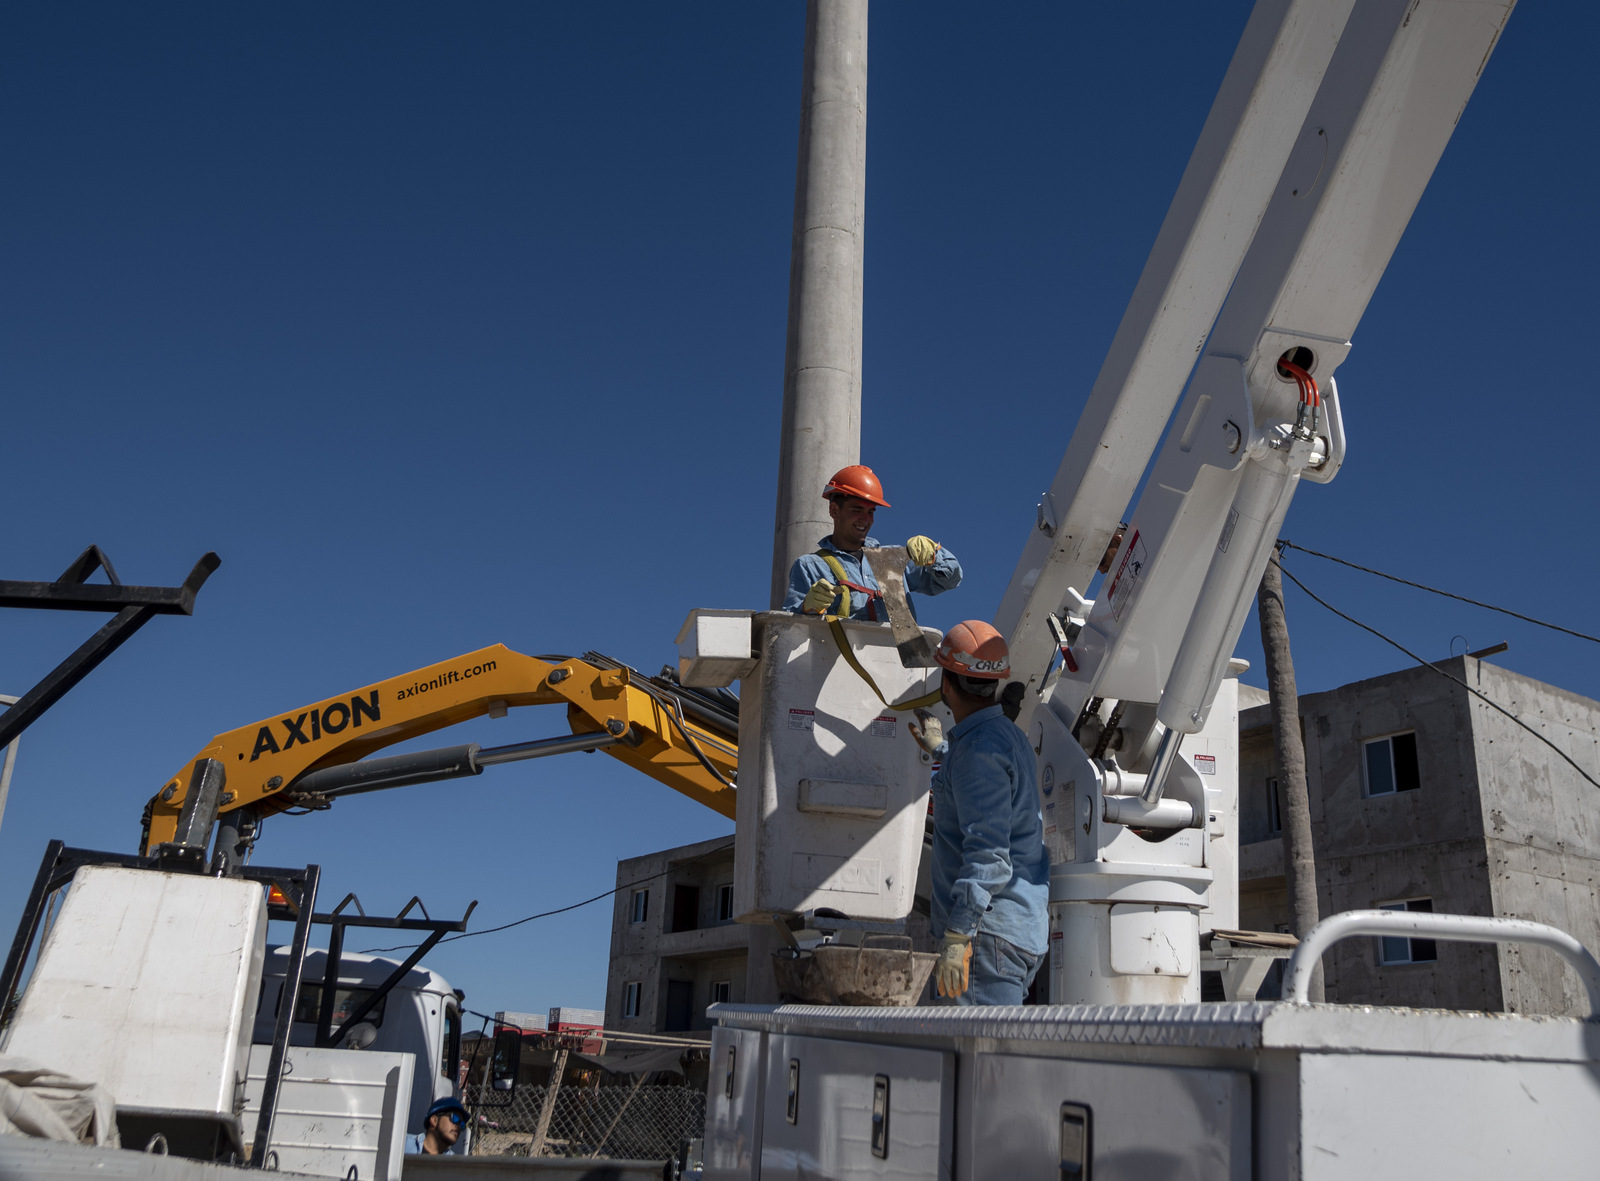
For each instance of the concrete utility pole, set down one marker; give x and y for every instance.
(822, 360)
(1294, 797)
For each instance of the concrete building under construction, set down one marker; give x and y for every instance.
(675, 948)
(1423, 797)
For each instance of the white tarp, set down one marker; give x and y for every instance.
(38, 1101)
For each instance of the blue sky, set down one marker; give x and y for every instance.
(455, 325)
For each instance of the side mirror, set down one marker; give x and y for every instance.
(507, 1061)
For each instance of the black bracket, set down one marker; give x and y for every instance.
(134, 606)
(338, 920)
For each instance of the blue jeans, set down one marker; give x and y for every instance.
(999, 974)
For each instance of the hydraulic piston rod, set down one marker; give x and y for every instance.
(431, 766)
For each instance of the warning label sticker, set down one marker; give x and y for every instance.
(882, 727)
(802, 719)
(1205, 764)
(1227, 531)
(1133, 561)
(1057, 944)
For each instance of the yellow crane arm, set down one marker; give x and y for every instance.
(264, 760)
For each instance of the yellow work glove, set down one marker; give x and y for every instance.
(930, 735)
(819, 598)
(922, 550)
(951, 973)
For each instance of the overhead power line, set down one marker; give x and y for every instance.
(1284, 544)
(1429, 664)
(561, 909)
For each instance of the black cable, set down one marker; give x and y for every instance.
(561, 910)
(1429, 664)
(1436, 591)
(673, 710)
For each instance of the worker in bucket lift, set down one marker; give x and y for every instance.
(991, 874)
(441, 1128)
(836, 580)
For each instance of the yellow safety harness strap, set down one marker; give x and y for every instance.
(839, 578)
(837, 628)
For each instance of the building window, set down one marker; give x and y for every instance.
(724, 903)
(641, 906)
(1407, 951)
(1274, 811)
(1391, 764)
(720, 990)
(630, 998)
(685, 908)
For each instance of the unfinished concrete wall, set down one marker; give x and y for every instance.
(1263, 893)
(1500, 825)
(673, 946)
(1256, 770)
(1542, 826)
(1427, 843)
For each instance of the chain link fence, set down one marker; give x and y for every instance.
(620, 1122)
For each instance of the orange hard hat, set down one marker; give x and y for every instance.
(974, 649)
(856, 480)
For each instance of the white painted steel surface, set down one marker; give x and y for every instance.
(337, 1110)
(1226, 188)
(714, 648)
(734, 1099)
(1175, 1123)
(1097, 864)
(1384, 1117)
(1339, 192)
(833, 790)
(1331, 199)
(23, 1158)
(1451, 928)
(147, 984)
(831, 1132)
(1296, 1092)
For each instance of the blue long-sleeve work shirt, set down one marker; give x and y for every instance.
(990, 868)
(943, 575)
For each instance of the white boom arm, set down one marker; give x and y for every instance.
(1327, 127)
(1293, 229)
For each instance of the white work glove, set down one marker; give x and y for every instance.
(819, 598)
(930, 735)
(953, 972)
(922, 550)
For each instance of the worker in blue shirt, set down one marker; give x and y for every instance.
(837, 580)
(441, 1128)
(991, 874)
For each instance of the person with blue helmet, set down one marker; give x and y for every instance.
(441, 1128)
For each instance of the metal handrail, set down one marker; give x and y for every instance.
(1449, 928)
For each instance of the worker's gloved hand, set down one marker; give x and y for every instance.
(922, 550)
(930, 735)
(951, 974)
(819, 598)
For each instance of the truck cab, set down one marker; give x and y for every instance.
(420, 1016)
